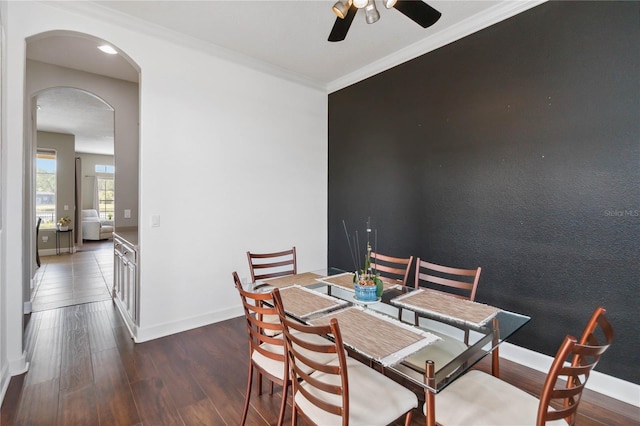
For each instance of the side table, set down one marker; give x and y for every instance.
(69, 233)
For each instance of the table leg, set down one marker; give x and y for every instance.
(495, 354)
(429, 393)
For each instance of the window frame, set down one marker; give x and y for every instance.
(49, 217)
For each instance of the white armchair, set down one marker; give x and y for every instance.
(93, 228)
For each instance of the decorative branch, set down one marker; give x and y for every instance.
(351, 252)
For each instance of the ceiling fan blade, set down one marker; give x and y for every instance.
(341, 26)
(419, 12)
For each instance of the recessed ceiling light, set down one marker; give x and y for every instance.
(108, 49)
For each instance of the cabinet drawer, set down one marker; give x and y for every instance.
(125, 251)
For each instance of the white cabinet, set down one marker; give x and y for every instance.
(125, 281)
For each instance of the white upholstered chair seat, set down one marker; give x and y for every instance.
(374, 399)
(271, 319)
(478, 398)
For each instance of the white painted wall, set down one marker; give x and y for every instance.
(237, 161)
(11, 265)
(4, 363)
(214, 138)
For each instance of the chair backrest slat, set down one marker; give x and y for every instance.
(272, 265)
(456, 281)
(396, 268)
(583, 356)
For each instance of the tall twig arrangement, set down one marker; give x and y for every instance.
(364, 274)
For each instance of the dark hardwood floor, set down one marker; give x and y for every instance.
(86, 370)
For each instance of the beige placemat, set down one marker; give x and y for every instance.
(303, 279)
(346, 281)
(447, 308)
(302, 302)
(376, 336)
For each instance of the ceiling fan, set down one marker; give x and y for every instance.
(416, 10)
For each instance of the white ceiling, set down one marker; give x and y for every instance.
(285, 38)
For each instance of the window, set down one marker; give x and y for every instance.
(46, 187)
(106, 191)
(104, 168)
(106, 198)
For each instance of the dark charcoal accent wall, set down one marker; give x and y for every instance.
(517, 149)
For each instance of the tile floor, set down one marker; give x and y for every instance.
(70, 279)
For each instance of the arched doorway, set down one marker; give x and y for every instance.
(67, 69)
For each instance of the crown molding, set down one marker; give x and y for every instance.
(499, 12)
(114, 17)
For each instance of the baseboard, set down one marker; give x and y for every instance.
(149, 333)
(27, 307)
(19, 366)
(52, 252)
(12, 368)
(610, 386)
(5, 378)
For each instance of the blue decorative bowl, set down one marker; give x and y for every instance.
(365, 293)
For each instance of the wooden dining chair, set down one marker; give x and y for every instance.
(392, 269)
(267, 356)
(343, 391)
(478, 398)
(38, 222)
(271, 265)
(395, 268)
(266, 346)
(457, 282)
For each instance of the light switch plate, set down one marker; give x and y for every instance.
(127, 213)
(155, 220)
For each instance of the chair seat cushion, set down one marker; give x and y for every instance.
(374, 399)
(272, 319)
(478, 398)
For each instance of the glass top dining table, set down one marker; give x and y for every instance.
(452, 334)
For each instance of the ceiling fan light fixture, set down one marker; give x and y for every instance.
(389, 3)
(360, 3)
(341, 8)
(371, 12)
